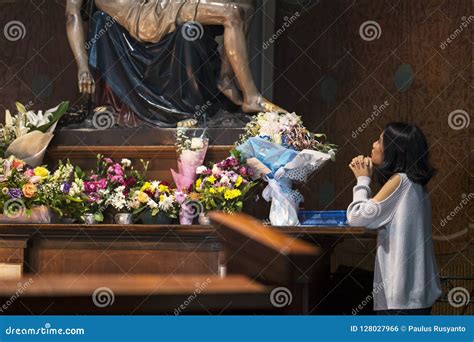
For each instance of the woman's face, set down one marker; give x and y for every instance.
(377, 151)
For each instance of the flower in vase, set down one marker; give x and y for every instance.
(239, 181)
(15, 193)
(90, 187)
(163, 188)
(29, 190)
(200, 170)
(143, 197)
(166, 202)
(65, 187)
(197, 143)
(126, 162)
(41, 172)
(231, 194)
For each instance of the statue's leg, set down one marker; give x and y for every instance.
(235, 45)
(228, 82)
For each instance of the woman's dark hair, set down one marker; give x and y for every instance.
(405, 150)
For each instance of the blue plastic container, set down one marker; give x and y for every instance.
(326, 218)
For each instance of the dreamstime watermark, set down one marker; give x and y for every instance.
(191, 209)
(465, 201)
(458, 297)
(459, 119)
(368, 299)
(288, 21)
(21, 288)
(200, 287)
(192, 31)
(280, 297)
(377, 110)
(46, 330)
(14, 208)
(110, 21)
(464, 24)
(103, 296)
(370, 30)
(14, 30)
(201, 110)
(103, 118)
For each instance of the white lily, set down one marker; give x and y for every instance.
(19, 125)
(38, 120)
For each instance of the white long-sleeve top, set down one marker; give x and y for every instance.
(405, 273)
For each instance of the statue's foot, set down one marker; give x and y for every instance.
(260, 104)
(228, 87)
(188, 123)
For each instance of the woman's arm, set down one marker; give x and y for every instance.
(75, 34)
(373, 212)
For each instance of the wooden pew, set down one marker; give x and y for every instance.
(134, 295)
(270, 257)
(261, 260)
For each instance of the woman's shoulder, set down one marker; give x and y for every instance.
(390, 188)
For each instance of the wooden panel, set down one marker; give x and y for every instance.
(182, 294)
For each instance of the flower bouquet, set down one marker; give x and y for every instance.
(21, 192)
(157, 203)
(110, 186)
(64, 192)
(191, 153)
(224, 186)
(27, 134)
(281, 151)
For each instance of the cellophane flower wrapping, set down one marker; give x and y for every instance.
(285, 166)
(191, 146)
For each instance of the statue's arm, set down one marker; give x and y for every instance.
(76, 37)
(75, 32)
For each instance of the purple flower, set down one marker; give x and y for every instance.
(89, 187)
(243, 170)
(102, 183)
(94, 198)
(108, 160)
(15, 193)
(117, 179)
(65, 187)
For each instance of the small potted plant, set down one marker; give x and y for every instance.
(156, 203)
(109, 187)
(64, 193)
(22, 195)
(224, 186)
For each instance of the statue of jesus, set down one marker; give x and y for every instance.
(148, 22)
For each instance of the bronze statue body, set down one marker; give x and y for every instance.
(148, 21)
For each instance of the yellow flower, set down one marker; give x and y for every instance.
(211, 179)
(212, 191)
(198, 183)
(231, 194)
(163, 188)
(238, 181)
(145, 186)
(221, 189)
(41, 171)
(162, 198)
(143, 197)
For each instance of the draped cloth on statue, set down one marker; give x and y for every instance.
(162, 83)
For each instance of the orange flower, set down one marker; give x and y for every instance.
(29, 190)
(18, 164)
